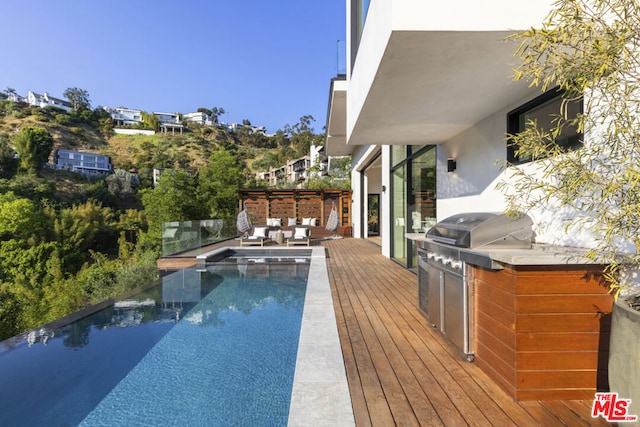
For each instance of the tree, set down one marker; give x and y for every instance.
(302, 136)
(219, 183)
(20, 218)
(78, 97)
(151, 122)
(215, 113)
(9, 92)
(206, 111)
(8, 162)
(589, 49)
(33, 145)
(174, 199)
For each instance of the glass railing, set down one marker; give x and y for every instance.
(181, 236)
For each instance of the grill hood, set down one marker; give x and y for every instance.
(478, 229)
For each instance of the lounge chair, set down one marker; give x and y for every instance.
(257, 237)
(301, 236)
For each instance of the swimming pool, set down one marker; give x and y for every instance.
(212, 347)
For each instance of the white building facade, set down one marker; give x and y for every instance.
(44, 100)
(124, 116)
(428, 86)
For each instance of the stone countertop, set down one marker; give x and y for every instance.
(539, 254)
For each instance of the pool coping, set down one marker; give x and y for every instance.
(320, 390)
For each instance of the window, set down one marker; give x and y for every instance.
(359, 10)
(543, 110)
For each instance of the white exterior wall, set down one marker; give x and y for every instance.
(471, 187)
(476, 140)
(385, 202)
(360, 158)
(134, 131)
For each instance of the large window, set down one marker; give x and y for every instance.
(543, 110)
(413, 199)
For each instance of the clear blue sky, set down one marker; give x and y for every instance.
(268, 61)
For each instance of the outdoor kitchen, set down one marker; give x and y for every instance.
(534, 317)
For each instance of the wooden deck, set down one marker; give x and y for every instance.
(401, 371)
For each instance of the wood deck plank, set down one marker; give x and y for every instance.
(392, 354)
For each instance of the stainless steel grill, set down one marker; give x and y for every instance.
(475, 230)
(444, 278)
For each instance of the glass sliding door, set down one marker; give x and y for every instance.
(413, 201)
(399, 215)
(422, 200)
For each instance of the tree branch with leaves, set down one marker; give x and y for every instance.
(588, 49)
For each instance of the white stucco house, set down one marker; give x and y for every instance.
(423, 110)
(45, 100)
(198, 117)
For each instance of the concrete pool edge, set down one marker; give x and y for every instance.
(320, 390)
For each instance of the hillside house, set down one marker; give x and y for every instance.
(42, 101)
(81, 162)
(124, 116)
(169, 122)
(198, 117)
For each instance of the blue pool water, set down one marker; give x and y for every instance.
(207, 348)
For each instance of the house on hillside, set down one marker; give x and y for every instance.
(42, 101)
(124, 116)
(81, 162)
(296, 171)
(169, 122)
(235, 127)
(198, 117)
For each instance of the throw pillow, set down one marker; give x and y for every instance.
(260, 232)
(276, 222)
(300, 233)
(306, 221)
(291, 222)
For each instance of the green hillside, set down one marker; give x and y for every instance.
(67, 241)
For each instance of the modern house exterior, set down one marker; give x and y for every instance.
(198, 117)
(423, 108)
(169, 122)
(81, 162)
(42, 101)
(124, 116)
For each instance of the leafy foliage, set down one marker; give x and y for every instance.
(78, 97)
(218, 185)
(68, 240)
(34, 146)
(587, 48)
